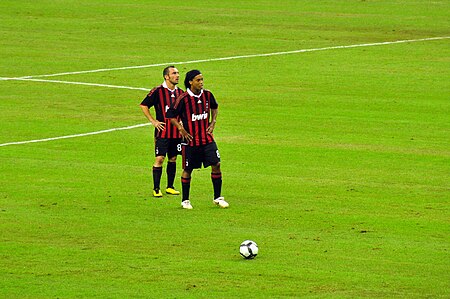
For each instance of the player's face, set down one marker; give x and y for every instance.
(197, 83)
(174, 76)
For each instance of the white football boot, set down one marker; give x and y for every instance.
(220, 201)
(186, 205)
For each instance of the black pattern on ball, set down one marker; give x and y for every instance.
(251, 253)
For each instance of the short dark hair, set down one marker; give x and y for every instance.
(189, 76)
(166, 70)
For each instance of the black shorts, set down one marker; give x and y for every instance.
(195, 156)
(165, 146)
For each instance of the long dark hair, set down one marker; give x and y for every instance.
(189, 76)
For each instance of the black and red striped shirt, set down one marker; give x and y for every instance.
(162, 98)
(194, 112)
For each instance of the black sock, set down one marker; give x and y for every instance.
(157, 172)
(186, 186)
(217, 183)
(171, 171)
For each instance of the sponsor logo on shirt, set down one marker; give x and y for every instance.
(196, 117)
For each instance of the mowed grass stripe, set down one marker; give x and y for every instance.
(33, 78)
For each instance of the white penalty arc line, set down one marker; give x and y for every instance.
(236, 57)
(32, 78)
(76, 135)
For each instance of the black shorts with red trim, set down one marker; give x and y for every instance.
(195, 156)
(167, 146)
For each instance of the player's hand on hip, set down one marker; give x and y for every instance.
(159, 125)
(210, 129)
(185, 135)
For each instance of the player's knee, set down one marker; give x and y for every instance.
(159, 161)
(186, 173)
(173, 159)
(216, 168)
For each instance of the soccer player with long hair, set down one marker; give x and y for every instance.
(198, 109)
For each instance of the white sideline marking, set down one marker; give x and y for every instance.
(31, 78)
(236, 57)
(77, 135)
(77, 83)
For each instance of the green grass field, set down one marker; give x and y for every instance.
(336, 162)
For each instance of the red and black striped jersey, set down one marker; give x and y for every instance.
(162, 98)
(194, 112)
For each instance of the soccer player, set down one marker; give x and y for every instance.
(198, 110)
(167, 137)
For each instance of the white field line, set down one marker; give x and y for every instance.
(77, 83)
(236, 57)
(31, 78)
(76, 135)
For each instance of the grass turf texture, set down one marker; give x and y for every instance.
(335, 162)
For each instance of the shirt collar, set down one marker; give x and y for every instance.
(165, 86)
(194, 95)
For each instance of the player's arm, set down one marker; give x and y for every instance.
(160, 126)
(212, 124)
(173, 113)
(181, 129)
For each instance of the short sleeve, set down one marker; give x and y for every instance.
(150, 99)
(213, 102)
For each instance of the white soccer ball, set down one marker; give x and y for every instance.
(248, 249)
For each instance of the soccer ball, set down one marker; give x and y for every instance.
(248, 249)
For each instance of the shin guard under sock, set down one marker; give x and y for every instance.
(186, 186)
(157, 172)
(216, 179)
(171, 171)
